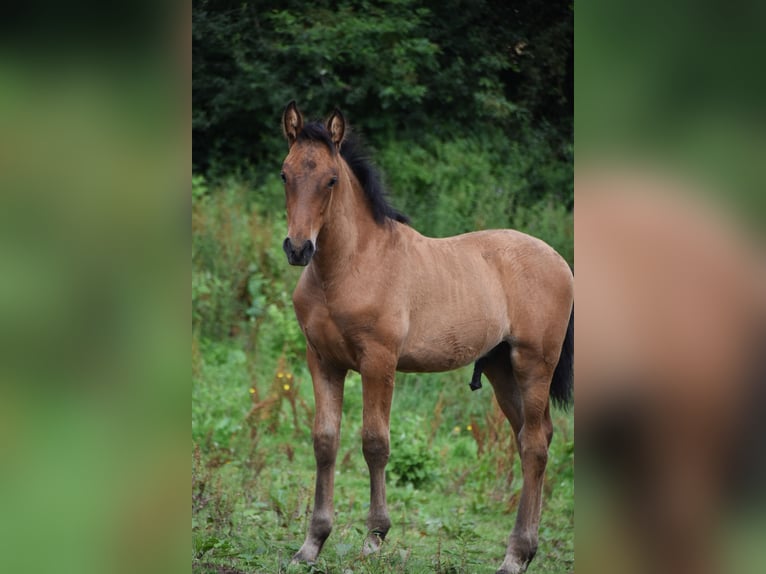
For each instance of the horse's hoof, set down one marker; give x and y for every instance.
(371, 545)
(512, 566)
(299, 559)
(309, 552)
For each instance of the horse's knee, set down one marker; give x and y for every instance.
(325, 446)
(375, 446)
(537, 455)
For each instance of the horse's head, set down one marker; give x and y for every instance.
(310, 172)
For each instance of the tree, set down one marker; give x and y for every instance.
(399, 68)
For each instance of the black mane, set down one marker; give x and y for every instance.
(361, 166)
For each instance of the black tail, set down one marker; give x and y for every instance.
(562, 385)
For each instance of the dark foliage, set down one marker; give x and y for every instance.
(399, 69)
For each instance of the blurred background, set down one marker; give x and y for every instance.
(94, 179)
(467, 109)
(670, 378)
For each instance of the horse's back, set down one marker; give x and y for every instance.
(522, 267)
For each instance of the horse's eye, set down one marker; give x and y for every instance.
(284, 177)
(333, 181)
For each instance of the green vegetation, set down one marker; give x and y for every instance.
(467, 109)
(398, 69)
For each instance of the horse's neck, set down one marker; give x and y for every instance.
(349, 228)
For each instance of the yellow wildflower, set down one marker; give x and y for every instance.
(286, 387)
(456, 430)
(280, 375)
(252, 391)
(469, 428)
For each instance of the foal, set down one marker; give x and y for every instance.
(376, 297)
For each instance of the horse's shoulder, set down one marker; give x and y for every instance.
(307, 298)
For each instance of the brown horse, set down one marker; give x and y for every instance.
(377, 296)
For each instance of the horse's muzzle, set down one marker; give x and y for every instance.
(300, 256)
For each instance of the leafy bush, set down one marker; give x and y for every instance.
(464, 184)
(411, 460)
(238, 268)
(394, 66)
(280, 334)
(548, 221)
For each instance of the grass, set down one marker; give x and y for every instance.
(453, 484)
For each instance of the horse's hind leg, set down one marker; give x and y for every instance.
(522, 393)
(328, 395)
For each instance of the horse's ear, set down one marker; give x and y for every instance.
(292, 122)
(336, 125)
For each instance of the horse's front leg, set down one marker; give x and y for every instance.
(378, 374)
(328, 395)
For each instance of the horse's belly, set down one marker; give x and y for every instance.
(432, 363)
(449, 348)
